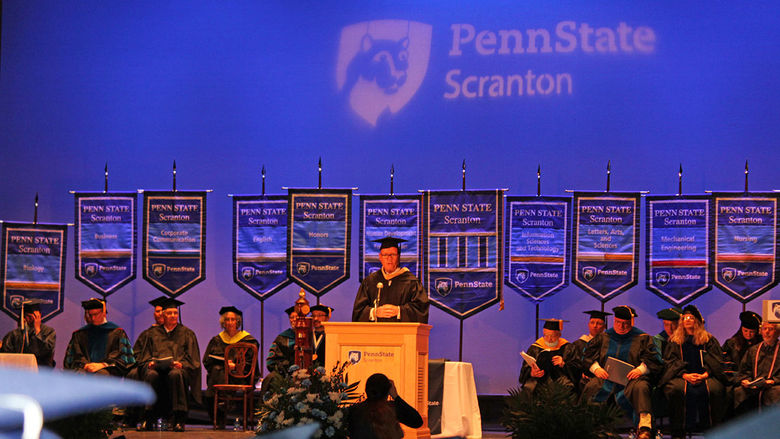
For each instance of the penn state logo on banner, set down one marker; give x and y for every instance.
(174, 240)
(260, 243)
(606, 242)
(381, 64)
(397, 216)
(538, 243)
(106, 240)
(745, 243)
(678, 247)
(463, 249)
(319, 230)
(33, 267)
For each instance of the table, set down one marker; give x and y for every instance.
(460, 414)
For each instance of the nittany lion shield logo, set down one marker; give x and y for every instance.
(588, 273)
(662, 277)
(247, 273)
(381, 64)
(443, 286)
(729, 274)
(158, 270)
(355, 356)
(303, 268)
(522, 275)
(90, 269)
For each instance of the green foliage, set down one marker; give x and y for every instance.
(306, 396)
(95, 425)
(553, 411)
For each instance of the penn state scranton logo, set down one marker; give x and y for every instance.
(303, 268)
(522, 275)
(662, 278)
(355, 356)
(729, 274)
(443, 286)
(381, 64)
(158, 270)
(588, 273)
(248, 273)
(90, 269)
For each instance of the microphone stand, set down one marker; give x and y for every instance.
(379, 287)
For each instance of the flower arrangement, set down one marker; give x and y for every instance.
(305, 396)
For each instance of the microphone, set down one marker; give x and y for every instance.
(379, 287)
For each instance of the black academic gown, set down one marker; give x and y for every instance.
(215, 367)
(118, 353)
(563, 375)
(760, 360)
(707, 398)
(41, 345)
(733, 350)
(403, 290)
(182, 345)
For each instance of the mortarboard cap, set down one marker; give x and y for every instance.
(230, 308)
(671, 314)
(750, 320)
(170, 303)
(158, 301)
(323, 308)
(601, 315)
(31, 307)
(553, 324)
(390, 241)
(624, 312)
(692, 310)
(93, 303)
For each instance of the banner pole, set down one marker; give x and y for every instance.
(174, 175)
(262, 337)
(536, 321)
(319, 172)
(460, 343)
(746, 176)
(464, 175)
(538, 182)
(392, 176)
(35, 213)
(679, 181)
(105, 179)
(263, 174)
(609, 172)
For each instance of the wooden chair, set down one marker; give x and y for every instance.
(245, 357)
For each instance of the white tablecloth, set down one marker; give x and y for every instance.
(459, 409)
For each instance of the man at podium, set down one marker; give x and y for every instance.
(392, 293)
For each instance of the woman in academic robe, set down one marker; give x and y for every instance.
(746, 337)
(693, 379)
(230, 319)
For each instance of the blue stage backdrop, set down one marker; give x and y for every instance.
(224, 88)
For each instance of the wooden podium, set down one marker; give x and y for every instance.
(398, 350)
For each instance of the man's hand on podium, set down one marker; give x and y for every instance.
(388, 311)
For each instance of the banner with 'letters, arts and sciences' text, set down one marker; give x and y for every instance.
(745, 243)
(606, 242)
(174, 237)
(106, 248)
(260, 243)
(397, 216)
(678, 247)
(463, 249)
(538, 243)
(319, 229)
(33, 267)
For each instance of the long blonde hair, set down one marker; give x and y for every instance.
(700, 335)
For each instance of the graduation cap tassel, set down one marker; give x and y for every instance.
(464, 175)
(679, 181)
(319, 171)
(174, 175)
(746, 176)
(392, 176)
(105, 178)
(263, 176)
(35, 212)
(609, 172)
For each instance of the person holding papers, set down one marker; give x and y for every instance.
(100, 347)
(551, 358)
(231, 321)
(759, 372)
(693, 380)
(626, 345)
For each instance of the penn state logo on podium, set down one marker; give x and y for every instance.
(355, 356)
(381, 65)
(729, 274)
(443, 286)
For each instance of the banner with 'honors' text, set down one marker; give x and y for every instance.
(319, 233)
(678, 247)
(538, 243)
(33, 267)
(260, 243)
(106, 239)
(606, 246)
(745, 243)
(463, 249)
(174, 249)
(397, 216)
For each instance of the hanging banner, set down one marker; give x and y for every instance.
(538, 245)
(678, 247)
(463, 249)
(606, 247)
(105, 240)
(397, 216)
(33, 267)
(174, 248)
(319, 237)
(260, 243)
(745, 243)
